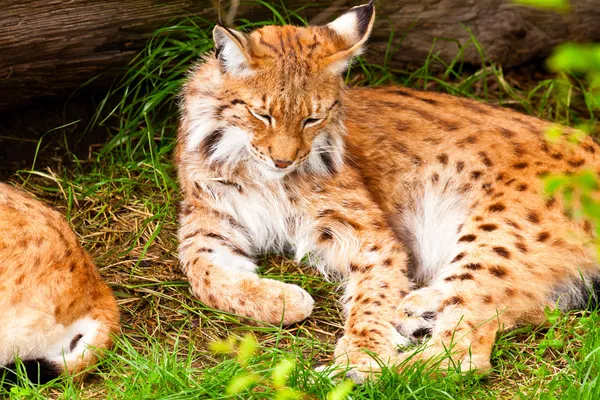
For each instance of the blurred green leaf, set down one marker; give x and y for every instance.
(341, 391)
(248, 347)
(557, 5)
(240, 382)
(281, 373)
(554, 133)
(553, 183)
(577, 58)
(222, 346)
(288, 394)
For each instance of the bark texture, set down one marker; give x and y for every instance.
(51, 47)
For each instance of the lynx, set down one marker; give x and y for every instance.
(387, 189)
(54, 303)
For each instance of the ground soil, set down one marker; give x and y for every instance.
(21, 131)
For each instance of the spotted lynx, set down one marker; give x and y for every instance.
(387, 189)
(54, 304)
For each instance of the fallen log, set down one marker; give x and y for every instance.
(48, 48)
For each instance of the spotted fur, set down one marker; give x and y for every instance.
(54, 303)
(374, 186)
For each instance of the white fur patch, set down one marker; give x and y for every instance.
(202, 125)
(330, 144)
(60, 352)
(346, 26)
(431, 227)
(35, 335)
(231, 55)
(232, 146)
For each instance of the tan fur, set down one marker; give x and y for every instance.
(50, 290)
(387, 150)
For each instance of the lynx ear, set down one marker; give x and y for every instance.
(354, 26)
(231, 50)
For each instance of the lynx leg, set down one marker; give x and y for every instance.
(222, 273)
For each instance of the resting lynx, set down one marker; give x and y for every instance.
(386, 188)
(54, 304)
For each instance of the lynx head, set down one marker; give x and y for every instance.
(272, 99)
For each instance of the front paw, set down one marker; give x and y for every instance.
(361, 353)
(416, 314)
(292, 302)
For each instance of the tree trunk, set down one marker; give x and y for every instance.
(49, 48)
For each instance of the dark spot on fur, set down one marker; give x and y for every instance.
(543, 236)
(452, 301)
(466, 276)
(521, 246)
(506, 133)
(518, 150)
(498, 271)
(443, 158)
(460, 165)
(522, 187)
(589, 148)
(501, 251)
(496, 207)
(475, 175)
(487, 187)
(473, 266)
(576, 163)
(520, 165)
(467, 238)
(459, 257)
(488, 227)
(485, 159)
(513, 224)
(533, 217)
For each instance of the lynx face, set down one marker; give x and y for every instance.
(279, 102)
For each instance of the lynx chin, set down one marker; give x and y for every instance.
(388, 189)
(57, 313)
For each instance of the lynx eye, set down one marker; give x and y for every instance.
(308, 122)
(267, 119)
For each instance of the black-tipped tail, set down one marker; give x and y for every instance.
(37, 371)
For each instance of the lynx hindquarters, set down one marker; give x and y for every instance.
(57, 312)
(491, 250)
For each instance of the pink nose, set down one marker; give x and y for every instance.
(283, 163)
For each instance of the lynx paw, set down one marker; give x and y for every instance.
(294, 303)
(415, 316)
(360, 355)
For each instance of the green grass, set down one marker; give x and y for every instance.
(122, 203)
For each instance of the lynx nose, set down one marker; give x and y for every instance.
(281, 164)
